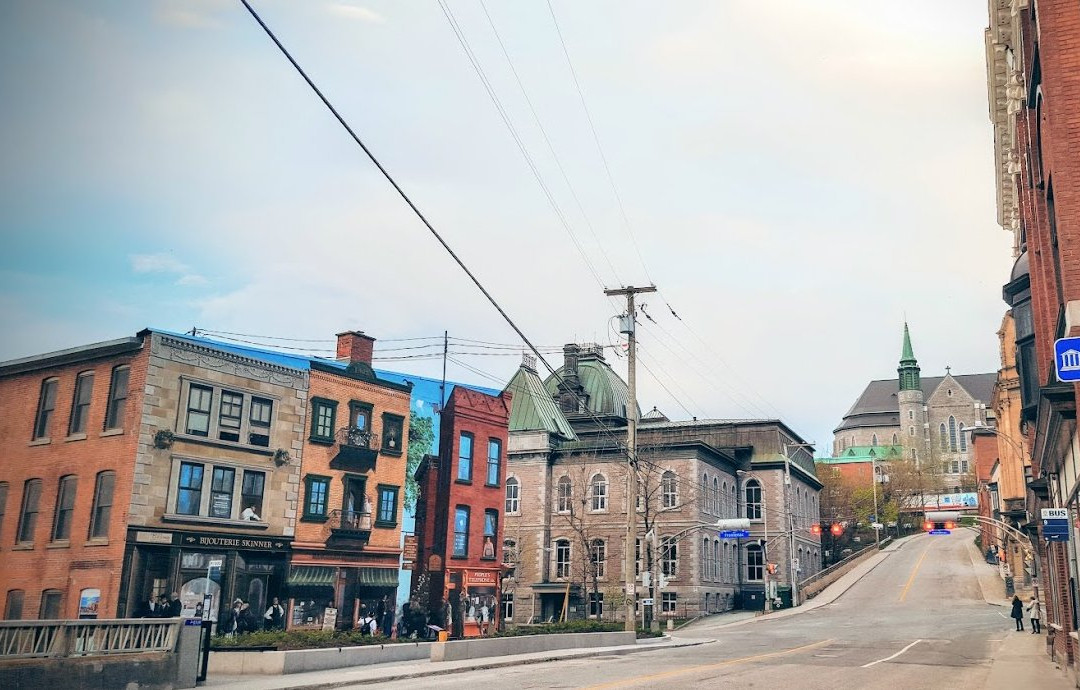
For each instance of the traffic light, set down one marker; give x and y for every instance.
(815, 529)
(837, 529)
(772, 568)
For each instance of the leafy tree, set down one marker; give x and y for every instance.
(421, 436)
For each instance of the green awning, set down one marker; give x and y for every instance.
(378, 577)
(312, 575)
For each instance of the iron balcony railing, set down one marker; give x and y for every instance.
(357, 438)
(56, 638)
(350, 520)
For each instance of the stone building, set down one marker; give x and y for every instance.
(567, 498)
(925, 415)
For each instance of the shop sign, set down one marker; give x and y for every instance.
(329, 621)
(210, 540)
(89, 601)
(434, 563)
(481, 578)
(154, 537)
(409, 553)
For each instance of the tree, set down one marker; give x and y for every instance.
(421, 436)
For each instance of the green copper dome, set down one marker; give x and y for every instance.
(909, 366)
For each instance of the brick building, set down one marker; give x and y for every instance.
(459, 518)
(69, 431)
(1033, 74)
(348, 536)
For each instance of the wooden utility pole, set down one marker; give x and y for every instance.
(627, 325)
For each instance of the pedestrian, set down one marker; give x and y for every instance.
(274, 618)
(162, 610)
(380, 609)
(231, 623)
(1018, 613)
(387, 621)
(1035, 612)
(175, 607)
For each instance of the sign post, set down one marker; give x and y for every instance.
(1055, 521)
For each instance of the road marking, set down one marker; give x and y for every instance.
(890, 658)
(707, 667)
(914, 572)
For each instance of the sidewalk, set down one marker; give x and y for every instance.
(1021, 662)
(385, 673)
(990, 583)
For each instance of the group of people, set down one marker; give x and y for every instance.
(240, 618)
(160, 607)
(1034, 609)
(377, 620)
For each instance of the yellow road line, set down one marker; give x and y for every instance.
(913, 574)
(706, 667)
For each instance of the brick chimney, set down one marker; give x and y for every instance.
(354, 346)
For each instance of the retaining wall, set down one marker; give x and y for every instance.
(276, 663)
(525, 644)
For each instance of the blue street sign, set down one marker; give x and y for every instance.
(940, 531)
(1067, 359)
(735, 534)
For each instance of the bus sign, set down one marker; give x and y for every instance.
(940, 531)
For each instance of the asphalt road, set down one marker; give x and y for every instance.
(918, 620)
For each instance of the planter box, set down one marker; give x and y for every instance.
(276, 663)
(505, 646)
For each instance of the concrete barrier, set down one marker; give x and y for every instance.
(458, 650)
(276, 663)
(837, 571)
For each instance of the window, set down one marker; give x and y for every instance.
(229, 416)
(895, 439)
(388, 500)
(669, 556)
(873, 440)
(963, 439)
(221, 492)
(944, 438)
(461, 532)
(359, 415)
(914, 455)
(198, 410)
(14, 605)
(28, 515)
(596, 604)
(952, 434)
(718, 508)
(911, 431)
(118, 393)
(564, 495)
(667, 602)
(3, 501)
(101, 511)
(706, 503)
(189, 490)
(637, 557)
(80, 404)
(491, 532)
(911, 414)
(251, 491)
(706, 559)
(392, 427)
(599, 492)
(755, 563)
(315, 493)
(508, 606)
(753, 500)
(598, 553)
(46, 406)
(259, 422)
(322, 419)
(964, 466)
(510, 552)
(50, 604)
(465, 456)
(513, 496)
(955, 467)
(65, 504)
(716, 560)
(668, 490)
(494, 458)
(562, 558)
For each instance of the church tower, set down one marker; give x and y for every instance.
(910, 397)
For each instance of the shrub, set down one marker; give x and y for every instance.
(299, 639)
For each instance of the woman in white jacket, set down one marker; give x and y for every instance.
(1035, 612)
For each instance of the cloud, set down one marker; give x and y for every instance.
(192, 280)
(156, 263)
(355, 12)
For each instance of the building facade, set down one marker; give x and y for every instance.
(459, 519)
(1033, 78)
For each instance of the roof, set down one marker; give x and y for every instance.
(532, 408)
(864, 454)
(880, 397)
(70, 355)
(607, 392)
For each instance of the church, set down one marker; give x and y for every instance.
(923, 415)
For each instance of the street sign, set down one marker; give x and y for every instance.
(734, 534)
(1054, 514)
(1055, 524)
(646, 602)
(940, 531)
(1056, 536)
(877, 525)
(1067, 359)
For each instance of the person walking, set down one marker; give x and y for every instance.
(1018, 613)
(1035, 613)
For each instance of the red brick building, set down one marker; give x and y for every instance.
(459, 523)
(1033, 64)
(69, 431)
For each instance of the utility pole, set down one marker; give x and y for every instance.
(628, 327)
(793, 579)
(442, 386)
(877, 515)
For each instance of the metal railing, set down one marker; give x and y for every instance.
(840, 564)
(55, 638)
(350, 520)
(357, 437)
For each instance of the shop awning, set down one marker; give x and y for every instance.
(378, 577)
(312, 575)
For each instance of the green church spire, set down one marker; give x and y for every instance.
(909, 366)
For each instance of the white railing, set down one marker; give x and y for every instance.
(38, 639)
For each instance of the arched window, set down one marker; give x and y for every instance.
(513, 496)
(562, 558)
(895, 439)
(599, 492)
(963, 439)
(668, 489)
(13, 606)
(598, 552)
(914, 454)
(755, 563)
(50, 604)
(706, 503)
(669, 556)
(722, 506)
(952, 434)
(718, 508)
(716, 559)
(944, 438)
(734, 502)
(873, 440)
(706, 559)
(565, 495)
(753, 500)
(799, 567)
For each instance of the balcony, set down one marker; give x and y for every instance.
(349, 525)
(357, 450)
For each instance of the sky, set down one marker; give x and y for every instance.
(796, 178)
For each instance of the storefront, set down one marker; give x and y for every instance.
(332, 595)
(208, 570)
(473, 594)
